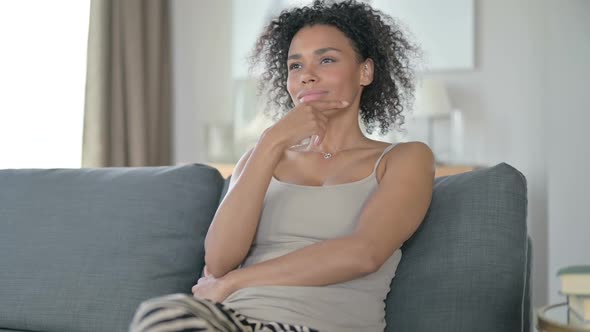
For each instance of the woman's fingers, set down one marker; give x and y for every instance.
(321, 134)
(319, 139)
(322, 119)
(322, 124)
(306, 120)
(327, 104)
(321, 116)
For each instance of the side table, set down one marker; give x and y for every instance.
(555, 318)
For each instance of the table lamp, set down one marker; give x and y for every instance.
(432, 103)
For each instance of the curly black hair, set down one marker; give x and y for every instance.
(373, 35)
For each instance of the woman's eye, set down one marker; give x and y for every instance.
(294, 66)
(327, 60)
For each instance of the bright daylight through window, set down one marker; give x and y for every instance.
(42, 82)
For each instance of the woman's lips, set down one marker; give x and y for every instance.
(313, 96)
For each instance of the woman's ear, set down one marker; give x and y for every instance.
(367, 71)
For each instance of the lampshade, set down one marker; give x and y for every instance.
(432, 99)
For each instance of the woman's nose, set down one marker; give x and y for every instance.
(308, 77)
(308, 81)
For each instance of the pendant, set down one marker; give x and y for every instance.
(327, 155)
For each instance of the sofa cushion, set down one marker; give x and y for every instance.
(81, 248)
(465, 267)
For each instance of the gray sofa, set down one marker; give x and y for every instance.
(81, 248)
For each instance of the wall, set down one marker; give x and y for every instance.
(567, 76)
(201, 54)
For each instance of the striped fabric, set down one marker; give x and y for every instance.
(184, 313)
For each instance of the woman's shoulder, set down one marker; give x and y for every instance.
(416, 153)
(398, 148)
(379, 146)
(413, 147)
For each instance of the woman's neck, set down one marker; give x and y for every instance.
(342, 133)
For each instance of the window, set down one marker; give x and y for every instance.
(42, 82)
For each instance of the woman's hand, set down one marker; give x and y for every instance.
(209, 287)
(206, 272)
(303, 121)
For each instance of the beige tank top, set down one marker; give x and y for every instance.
(295, 216)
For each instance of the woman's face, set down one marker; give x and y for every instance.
(323, 65)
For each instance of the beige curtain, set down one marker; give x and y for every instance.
(128, 107)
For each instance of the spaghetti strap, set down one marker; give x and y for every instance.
(381, 156)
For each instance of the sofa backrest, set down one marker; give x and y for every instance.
(467, 266)
(82, 248)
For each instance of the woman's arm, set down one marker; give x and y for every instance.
(233, 228)
(390, 217)
(327, 262)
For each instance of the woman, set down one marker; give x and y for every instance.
(307, 237)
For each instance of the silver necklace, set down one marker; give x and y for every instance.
(327, 155)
